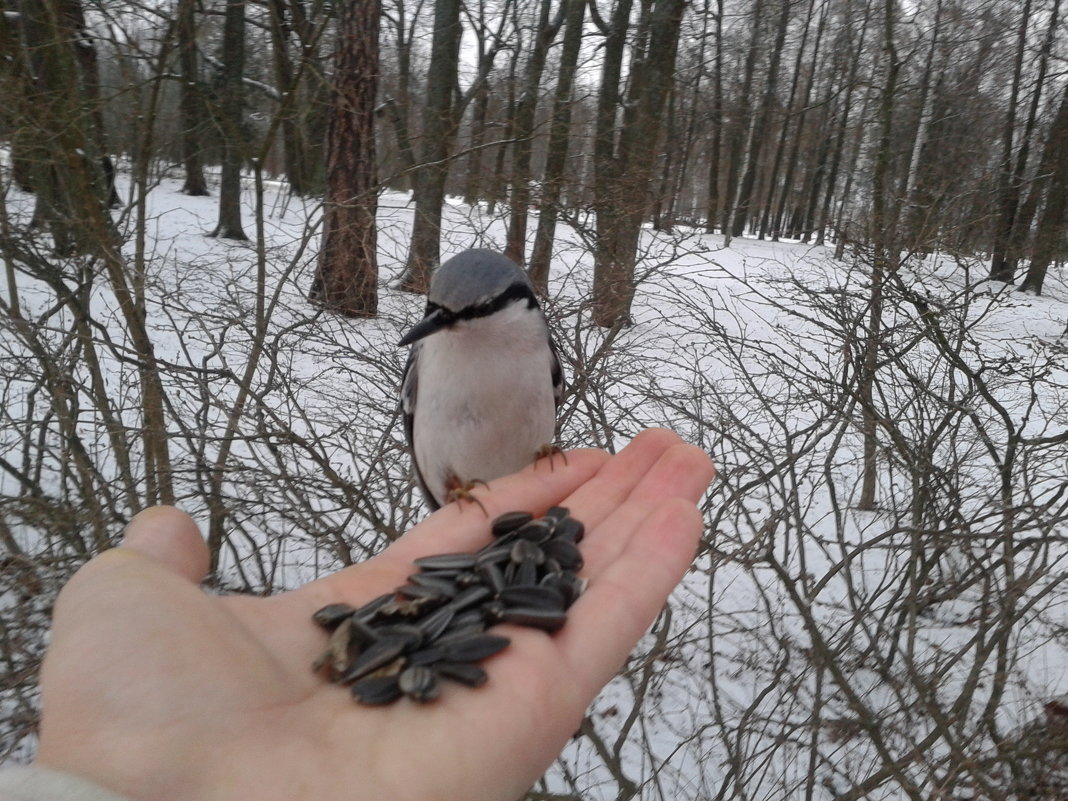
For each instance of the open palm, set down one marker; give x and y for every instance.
(154, 689)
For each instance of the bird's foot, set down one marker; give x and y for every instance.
(460, 490)
(551, 451)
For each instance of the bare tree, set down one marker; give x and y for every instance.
(545, 31)
(625, 159)
(346, 280)
(193, 112)
(229, 115)
(556, 159)
(439, 128)
(1053, 222)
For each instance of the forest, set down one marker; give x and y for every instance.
(825, 240)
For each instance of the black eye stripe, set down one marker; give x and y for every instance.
(516, 292)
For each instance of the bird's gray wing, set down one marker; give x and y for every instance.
(409, 392)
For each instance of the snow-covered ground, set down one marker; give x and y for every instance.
(814, 651)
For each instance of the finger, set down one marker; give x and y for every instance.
(607, 621)
(596, 499)
(169, 536)
(682, 471)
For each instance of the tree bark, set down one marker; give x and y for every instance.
(625, 173)
(757, 128)
(1053, 222)
(346, 280)
(884, 261)
(438, 129)
(191, 102)
(739, 127)
(1002, 261)
(716, 145)
(230, 115)
(525, 111)
(556, 159)
(66, 170)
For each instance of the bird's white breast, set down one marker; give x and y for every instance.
(485, 402)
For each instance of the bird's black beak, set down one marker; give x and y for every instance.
(434, 321)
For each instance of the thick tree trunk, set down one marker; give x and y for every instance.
(230, 115)
(63, 153)
(191, 103)
(346, 280)
(625, 177)
(1053, 223)
(1002, 260)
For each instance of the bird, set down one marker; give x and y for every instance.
(483, 382)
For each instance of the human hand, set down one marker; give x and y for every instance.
(156, 690)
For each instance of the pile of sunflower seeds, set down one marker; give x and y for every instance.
(434, 627)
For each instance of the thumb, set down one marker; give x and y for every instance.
(170, 537)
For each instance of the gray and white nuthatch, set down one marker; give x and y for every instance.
(483, 379)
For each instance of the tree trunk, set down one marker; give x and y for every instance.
(786, 193)
(230, 115)
(399, 108)
(1002, 261)
(525, 112)
(66, 169)
(625, 176)
(757, 128)
(438, 129)
(1053, 223)
(556, 159)
(296, 150)
(346, 280)
(741, 125)
(716, 145)
(795, 82)
(191, 103)
(884, 261)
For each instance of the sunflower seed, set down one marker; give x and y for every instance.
(523, 550)
(475, 649)
(558, 513)
(492, 577)
(433, 628)
(435, 623)
(371, 608)
(431, 594)
(509, 521)
(331, 615)
(377, 690)
(447, 561)
(546, 619)
(536, 530)
(376, 656)
(539, 597)
(570, 529)
(445, 585)
(419, 683)
(564, 552)
(469, 597)
(463, 672)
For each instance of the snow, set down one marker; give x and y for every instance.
(812, 644)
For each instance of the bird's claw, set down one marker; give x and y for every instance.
(550, 450)
(461, 491)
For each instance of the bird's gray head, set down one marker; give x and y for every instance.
(473, 283)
